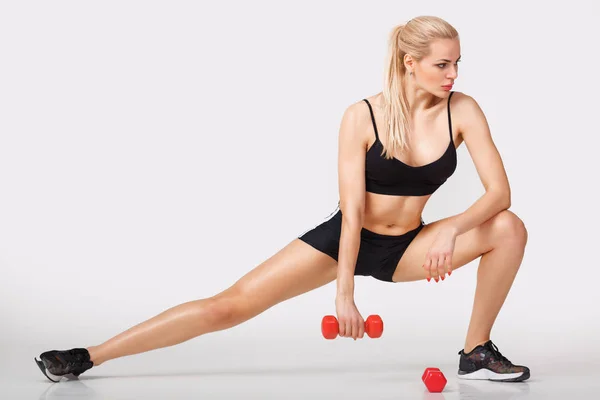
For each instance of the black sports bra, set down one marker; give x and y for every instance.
(394, 177)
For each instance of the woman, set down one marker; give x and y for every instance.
(396, 149)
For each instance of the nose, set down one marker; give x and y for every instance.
(453, 72)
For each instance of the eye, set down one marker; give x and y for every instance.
(442, 65)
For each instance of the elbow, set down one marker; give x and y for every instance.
(505, 199)
(501, 195)
(353, 218)
(353, 221)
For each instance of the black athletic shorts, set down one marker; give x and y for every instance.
(378, 254)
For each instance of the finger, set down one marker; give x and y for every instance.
(427, 266)
(348, 328)
(361, 329)
(446, 263)
(442, 266)
(434, 269)
(355, 329)
(342, 327)
(449, 259)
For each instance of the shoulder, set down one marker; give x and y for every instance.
(358, 111)
(356, 119)
(466, 112)
(461, 101)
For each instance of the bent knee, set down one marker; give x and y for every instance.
(507, 226)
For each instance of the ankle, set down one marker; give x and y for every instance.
(95, 355)
(470, 345)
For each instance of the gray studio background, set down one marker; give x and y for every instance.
(152, 153)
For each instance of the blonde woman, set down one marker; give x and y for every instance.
(396, 148)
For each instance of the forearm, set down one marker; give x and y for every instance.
(348, 253)
(488, 205)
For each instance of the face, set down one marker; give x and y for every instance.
(437, 72)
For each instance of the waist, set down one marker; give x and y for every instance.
(393, 215)
(376, 231)
(391, 229)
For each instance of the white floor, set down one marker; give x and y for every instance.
(397, 383)
(270, 372)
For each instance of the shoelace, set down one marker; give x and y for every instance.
(74, 364)
(494, 350)
(77, 361)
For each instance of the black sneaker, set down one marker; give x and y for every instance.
(486, 362)
(57, 363)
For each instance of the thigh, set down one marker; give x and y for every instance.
(295, 269)
(468, 247)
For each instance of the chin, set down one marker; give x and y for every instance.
(441, 93)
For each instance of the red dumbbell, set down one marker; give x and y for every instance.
(434, 380)
(330, 326)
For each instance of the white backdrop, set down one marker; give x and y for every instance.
(152, 153)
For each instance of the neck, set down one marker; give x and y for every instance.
(419, 100)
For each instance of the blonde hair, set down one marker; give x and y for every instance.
(412, 38)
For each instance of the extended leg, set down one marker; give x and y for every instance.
(296, 269)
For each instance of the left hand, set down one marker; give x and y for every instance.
(438, 260)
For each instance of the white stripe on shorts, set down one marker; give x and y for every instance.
(324, 220)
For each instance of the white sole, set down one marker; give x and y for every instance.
(45, 371)
(487, 374)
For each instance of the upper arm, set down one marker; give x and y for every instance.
(478, 139)
(351, 164)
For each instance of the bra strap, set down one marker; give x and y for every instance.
(372, 119)
(375, 125)
(450, 119)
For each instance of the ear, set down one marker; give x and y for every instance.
(408, 62)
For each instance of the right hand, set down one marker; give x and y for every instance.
(350, 321)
